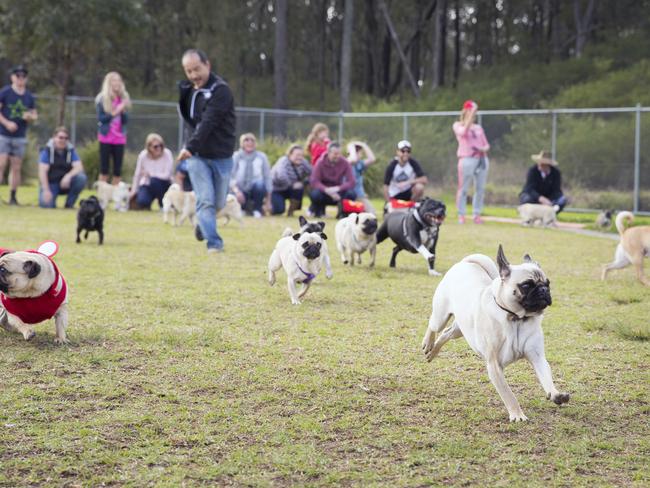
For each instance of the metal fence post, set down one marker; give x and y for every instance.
(637, 156)
(405, 127)
(261, 125)
(554, 135)
(341, 127)
(73, 124)
(180, 132)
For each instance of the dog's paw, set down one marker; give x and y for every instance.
(433, 272)
(329, 275)
(518, 417)
(61, 341)
(559, 398)
(295, 301)
(29, 335)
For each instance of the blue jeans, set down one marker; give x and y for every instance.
(320, 199)
(469, 169)
(278, 199)
(77, 184)
(210, 179)
(155, 190)
(255, 194)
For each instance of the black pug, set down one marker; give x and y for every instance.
(415, 230)
(90, 217)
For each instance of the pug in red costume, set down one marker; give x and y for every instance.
(32, 290)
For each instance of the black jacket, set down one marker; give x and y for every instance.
(549, 187)
(210, 114)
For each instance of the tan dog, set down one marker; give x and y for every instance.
(178, 202)
(232, 210)
(33, 291)
(531, 213)
(499, 311)
(301, 257)
(356, 234)
(119, 194)
(634, 246)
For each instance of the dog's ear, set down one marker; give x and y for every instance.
(321, 224)
(323, 236)
(502, 262)
(528, 259)
(296, 236)
(357, 219)
(32, 268)
(81, 202)
(302, 221)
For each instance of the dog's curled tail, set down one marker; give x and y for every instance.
(484, 262)
(621, 219)
(95, 185)
(287, 232)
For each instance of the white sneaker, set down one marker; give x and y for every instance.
(257, 214)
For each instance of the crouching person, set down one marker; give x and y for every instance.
(60, 171)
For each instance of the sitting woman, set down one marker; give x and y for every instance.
(289, 176)
(153, 172)
(60, 171)
(251, 177)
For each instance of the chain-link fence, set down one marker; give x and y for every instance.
(604, 154)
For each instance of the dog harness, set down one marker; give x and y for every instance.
(310, 276)
(33, 310)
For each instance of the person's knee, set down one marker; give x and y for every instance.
(417, 191)
(79, 181)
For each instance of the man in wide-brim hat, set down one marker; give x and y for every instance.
(543, 182)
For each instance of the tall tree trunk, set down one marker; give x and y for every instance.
(66, 80)
(322, 47)
(456, 43)
(440, 45)
(393, 34)
(346, 54)
(385, 64)
(373, 56)
(280, 63)
(583, 24)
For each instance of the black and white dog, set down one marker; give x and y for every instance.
(90, 217)
(415, 231)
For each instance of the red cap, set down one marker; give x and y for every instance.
(470, 104)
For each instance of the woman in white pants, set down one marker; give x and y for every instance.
(473, 163)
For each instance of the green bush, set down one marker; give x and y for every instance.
(89, 154)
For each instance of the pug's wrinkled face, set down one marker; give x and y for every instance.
(90, 207)
(432, 211)
(525, 289)
(25, 274)
(367, 222)
(310, 244)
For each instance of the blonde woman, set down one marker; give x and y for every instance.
(473, 163)
(317, 142)
(112, 105)
(153, 172)
(251, 177)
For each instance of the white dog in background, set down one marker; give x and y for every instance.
(119, 194)
(232, 210)
(356, 234)
(177, 202)
(531, 213)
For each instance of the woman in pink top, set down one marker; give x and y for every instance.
(153, 172)
(473, 163)
(112, 104)
(317, 142)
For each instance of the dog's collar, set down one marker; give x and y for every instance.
(310, 276)
(511, 315)
(416, 214)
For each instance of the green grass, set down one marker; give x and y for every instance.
(189, 369)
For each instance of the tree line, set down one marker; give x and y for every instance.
(318, 54)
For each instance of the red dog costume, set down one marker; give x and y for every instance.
(37, 309)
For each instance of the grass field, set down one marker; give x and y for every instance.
(186, 369)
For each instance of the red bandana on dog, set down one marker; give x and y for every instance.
(37, 309)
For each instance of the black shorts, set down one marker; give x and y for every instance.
(405, 195)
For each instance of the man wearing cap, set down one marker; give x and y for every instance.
(17, 108)
(404, 178)
(543, 182)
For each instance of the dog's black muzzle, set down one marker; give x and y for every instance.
(537, 299)
(312, 251)
(4, 286)
(369, 227)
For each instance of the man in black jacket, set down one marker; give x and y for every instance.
(207, 107)
(543, 183)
